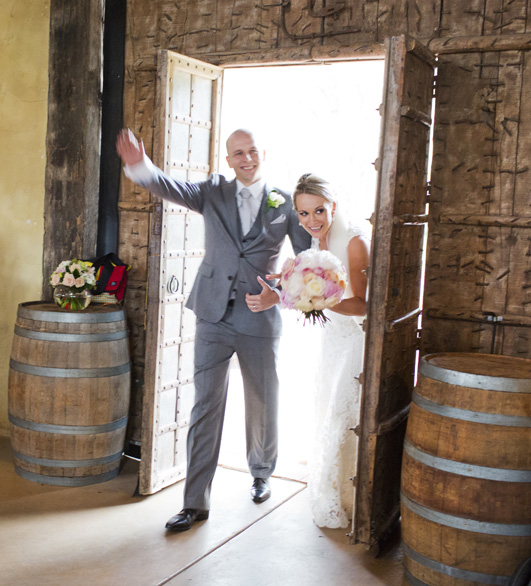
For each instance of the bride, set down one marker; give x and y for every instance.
(338, 389)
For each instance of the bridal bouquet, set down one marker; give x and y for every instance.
(314, 280)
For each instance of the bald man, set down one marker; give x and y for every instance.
(246, 222)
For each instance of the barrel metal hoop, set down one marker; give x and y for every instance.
(68, 463)
(474, 381)
(410, 579)
(58, 337)
(464, 469)
(65, 480)
(473, 416)
(452, 571)
(507, 529)
(70, 372)
(68, 429)
(71, 317)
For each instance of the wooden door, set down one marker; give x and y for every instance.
(395, 276)
(186, 147)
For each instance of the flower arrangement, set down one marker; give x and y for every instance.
(275, 199)
(72, 280)
(314, 280)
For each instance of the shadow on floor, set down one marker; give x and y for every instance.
(103, 535)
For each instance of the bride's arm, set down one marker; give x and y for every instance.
(358, 260)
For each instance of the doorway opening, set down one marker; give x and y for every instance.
(309, 118)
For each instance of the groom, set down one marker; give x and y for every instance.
(236, 310)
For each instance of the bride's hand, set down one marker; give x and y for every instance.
(273, 276)
(266, 299)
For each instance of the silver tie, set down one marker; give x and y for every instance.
(246, 210)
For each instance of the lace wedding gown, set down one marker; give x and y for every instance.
(337, 405)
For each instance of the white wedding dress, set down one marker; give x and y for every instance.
(337, 405)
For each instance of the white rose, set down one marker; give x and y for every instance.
(315, 287)
(304, 304)
(320, 303)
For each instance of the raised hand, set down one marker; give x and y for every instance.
(264, 300)
(129, 148)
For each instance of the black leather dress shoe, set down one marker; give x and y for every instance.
(185, 519)
(260, 490)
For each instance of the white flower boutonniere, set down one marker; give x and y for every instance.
(275, 199)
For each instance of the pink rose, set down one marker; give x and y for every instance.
(69, 280)
(288, 268)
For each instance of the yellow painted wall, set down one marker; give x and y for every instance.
(24, 32)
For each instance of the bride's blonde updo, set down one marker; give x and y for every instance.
(313, 185)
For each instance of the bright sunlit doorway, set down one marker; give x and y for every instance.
(319, 118)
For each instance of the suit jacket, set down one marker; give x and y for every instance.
(230, 261)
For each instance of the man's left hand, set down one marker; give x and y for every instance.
(264, 300)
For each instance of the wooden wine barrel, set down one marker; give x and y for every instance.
(68, 395)
(466, 472)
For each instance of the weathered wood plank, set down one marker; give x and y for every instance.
(521, 124)
(516, 342)
(463, 18)
(506, 319)
(464, 141)
(466, 44)
(485, 220)
(172, 22)
(519, 279)
(298, 24)
(73, 139)
(452, 276)
(417, 19)
(505, 18)
(441, 335)
(200, 26)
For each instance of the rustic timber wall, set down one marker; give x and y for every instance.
(478, 280)
(481, 158)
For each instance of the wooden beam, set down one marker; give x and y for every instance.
(480, 317)
(365, 50)
(73, 138)
(447, 45)
(484, 220)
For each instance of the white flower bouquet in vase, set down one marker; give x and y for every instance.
(72, 281)
(311, 282)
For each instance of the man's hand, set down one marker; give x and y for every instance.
(130, 150)
(264, 300)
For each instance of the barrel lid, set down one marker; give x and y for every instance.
(493, 372)
(50, 312)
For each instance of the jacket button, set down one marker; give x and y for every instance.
(229, 278)
(242, 255)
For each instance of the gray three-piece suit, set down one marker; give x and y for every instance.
(225, 324)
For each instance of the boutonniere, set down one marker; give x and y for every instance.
(275, 199)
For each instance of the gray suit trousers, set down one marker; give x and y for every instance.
(214, 346)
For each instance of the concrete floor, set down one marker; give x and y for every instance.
(103, 535)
